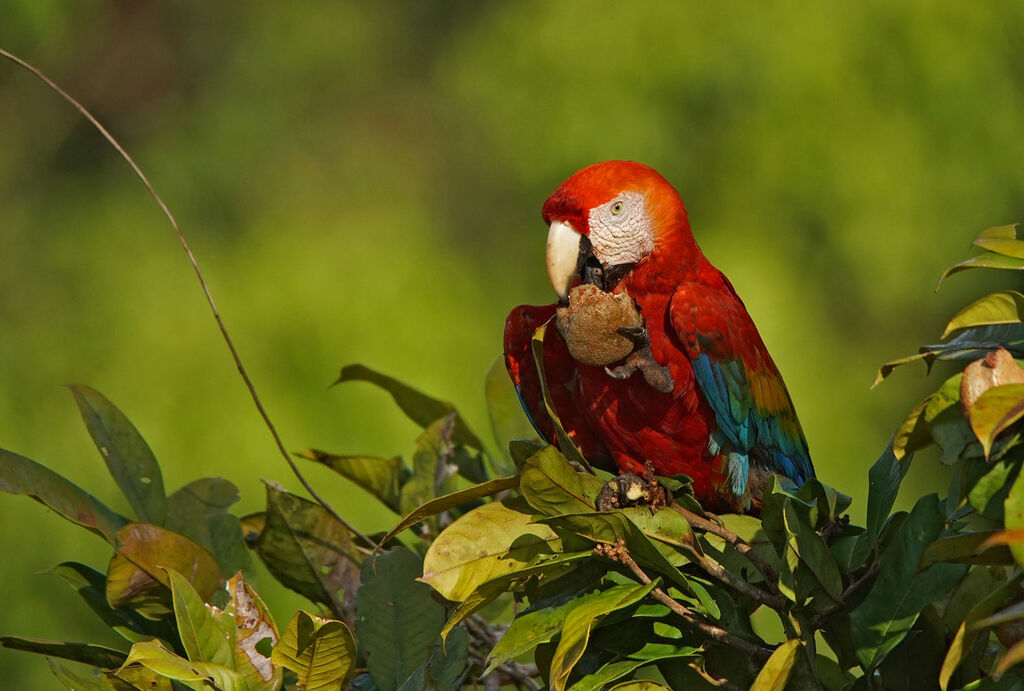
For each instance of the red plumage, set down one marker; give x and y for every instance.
(728, 419)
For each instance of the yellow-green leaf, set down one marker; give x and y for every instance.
(487, 542)
(321, 652)
(579, 622)
(1003, 307)
(994, 411)
(136, 572)
(451, 501)
(775, 673)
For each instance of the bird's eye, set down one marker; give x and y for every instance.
(616, 208)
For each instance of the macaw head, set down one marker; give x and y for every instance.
(608, 218)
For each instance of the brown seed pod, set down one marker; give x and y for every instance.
(589, 325)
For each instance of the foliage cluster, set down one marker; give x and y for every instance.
(504, 569)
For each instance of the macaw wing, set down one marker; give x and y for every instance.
(560, 375)
(756, 419)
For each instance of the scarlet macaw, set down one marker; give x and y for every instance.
(726, 419)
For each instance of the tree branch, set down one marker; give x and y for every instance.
(619, 553)
(202, 283)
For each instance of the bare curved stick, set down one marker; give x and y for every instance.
(202, 282)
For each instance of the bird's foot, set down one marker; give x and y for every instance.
(657, 376)
(630, 489)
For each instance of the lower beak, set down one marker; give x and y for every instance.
(563, 252)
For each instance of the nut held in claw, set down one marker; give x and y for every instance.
(589, 325)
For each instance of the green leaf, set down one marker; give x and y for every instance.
(309, 551)
(195, 675)
(1008, 246)
(508, 419)
(640, 686)
(381, 477)
(489, 541)
(615, 670)
(199, 510)
(1013, 510)
(433, 469)
(554, 487)
(899, 594)
(532, 628)
(96, 681)
(136, 574)
(915, 432)
(994, 411)
(91, 586)
(986, 260)
(565, 442)
(201, 635)
(987, 494)
(579, 622)
(1003, 307)
(398, 621)
(1013, 656)
(20, 475)
(420, 408)
(522, 449)
(451, 501)
(969, 344)
(95, 655)
(964, 548)
(608, 526)
(813, 553)
(321, 652)
(127, 455)
(444, 668)
(884, 480)
(967, 633)
(775, 673)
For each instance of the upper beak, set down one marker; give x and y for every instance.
(563, 253)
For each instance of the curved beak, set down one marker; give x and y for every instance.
(563, 253)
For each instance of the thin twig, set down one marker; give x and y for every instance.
(202, 282)
(722, 575)
(738, 543)
(620, 553)
(841, 602)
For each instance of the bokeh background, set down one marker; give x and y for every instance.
(362, 183)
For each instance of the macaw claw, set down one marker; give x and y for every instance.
(642, 360)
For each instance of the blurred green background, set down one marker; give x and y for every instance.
(362, 182)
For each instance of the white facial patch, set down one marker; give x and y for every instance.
(620, 230)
